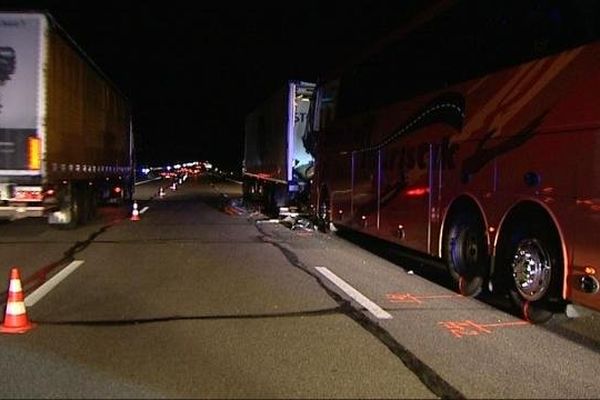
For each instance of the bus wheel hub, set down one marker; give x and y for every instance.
(531, 269)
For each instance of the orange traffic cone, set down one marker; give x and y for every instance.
(161, 192)
(135, 215)
(15, 317)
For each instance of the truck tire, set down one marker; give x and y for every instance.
(89, 205)
(72, 207)
(324, 212)
(247, 190)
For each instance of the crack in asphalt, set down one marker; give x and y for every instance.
(181, 240)
(430, 378)
(136, 321)
(40, 276)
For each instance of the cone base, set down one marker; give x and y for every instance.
(14, 329)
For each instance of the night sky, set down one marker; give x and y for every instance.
(193, 72)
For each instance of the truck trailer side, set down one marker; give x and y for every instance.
(66, 140)
(277, 166)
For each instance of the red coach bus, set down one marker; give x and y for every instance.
(475, 138)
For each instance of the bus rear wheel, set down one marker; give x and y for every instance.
(531, 255)
(465, 251)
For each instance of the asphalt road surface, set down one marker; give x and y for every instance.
(203, 299)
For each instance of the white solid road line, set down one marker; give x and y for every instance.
(146, 181)
(43, 290)
(355, 294)
(143, 210)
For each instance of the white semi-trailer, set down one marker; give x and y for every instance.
(66, 143)
(277, 166)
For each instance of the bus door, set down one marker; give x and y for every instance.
(339, 171)
(409, 193)
(364, 187)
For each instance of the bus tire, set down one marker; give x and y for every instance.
(465, 251)
(532, 261)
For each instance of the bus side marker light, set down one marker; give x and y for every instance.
(589, 270)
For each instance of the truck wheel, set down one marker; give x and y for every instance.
(88, 208)
(94, 204)
(72, 208)
(269, 199)
(247, 190)
(465, 251)
(324, 213)
(532, 259)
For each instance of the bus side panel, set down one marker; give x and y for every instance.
(579, 112)
(338, 170)
(586, 224)
(563, 156)
(533, 172)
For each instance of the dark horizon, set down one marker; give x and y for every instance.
(192, 74)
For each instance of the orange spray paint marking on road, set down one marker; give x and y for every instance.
(469, 328)
(410, 298)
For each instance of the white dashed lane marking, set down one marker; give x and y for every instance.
(355, 294)
(43, 290)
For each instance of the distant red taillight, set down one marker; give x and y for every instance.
(28, 194)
